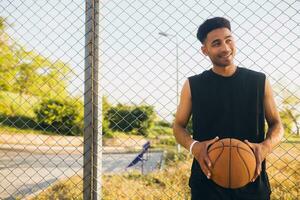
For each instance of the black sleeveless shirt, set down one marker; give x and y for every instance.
(229, 107)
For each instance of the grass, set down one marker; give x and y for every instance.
(133, 186)
(70, 189)
(155, 185)
(172, 181)
(285, 179)
(293, 138)
(12, 130)
(284, 171)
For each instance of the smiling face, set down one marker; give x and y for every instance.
(219, 46)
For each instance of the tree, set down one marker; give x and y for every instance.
(289, 108)
(46, 78)
(28, 72)
(290, 115)
(8, 60)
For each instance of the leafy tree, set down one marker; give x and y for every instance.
(8, 60)
(290, 114)
(27, 72)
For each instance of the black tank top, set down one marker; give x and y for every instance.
(229, 107)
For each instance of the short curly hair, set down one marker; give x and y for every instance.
(211, 24)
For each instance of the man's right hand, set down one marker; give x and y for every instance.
(199, 150)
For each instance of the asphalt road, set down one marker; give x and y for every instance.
(24, 173)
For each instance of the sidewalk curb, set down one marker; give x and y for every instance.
(67, 150)
(41, 140)
(42, 149)
(55, 144)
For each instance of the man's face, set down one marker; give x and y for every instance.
(219, 46)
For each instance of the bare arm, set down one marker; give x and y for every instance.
(275, 128)
(182, 117)
(274, 134)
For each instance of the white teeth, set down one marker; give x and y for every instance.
(226, 56)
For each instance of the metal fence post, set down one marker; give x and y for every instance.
(91, 184)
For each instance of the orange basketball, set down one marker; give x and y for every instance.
(233, 163)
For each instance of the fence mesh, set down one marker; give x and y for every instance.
(147, 49)
(41, 92)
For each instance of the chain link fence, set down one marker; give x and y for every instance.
(42, 52)
(88, 93)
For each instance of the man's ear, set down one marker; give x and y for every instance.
(204, 50)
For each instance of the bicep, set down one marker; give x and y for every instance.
(184, 108)
(271, 112)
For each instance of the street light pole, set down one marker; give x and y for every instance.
(176, 37)
(167, 35)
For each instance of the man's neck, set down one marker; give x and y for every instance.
(224, 71)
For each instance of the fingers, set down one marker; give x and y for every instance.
(205, 169)
(208, 163)
(212, 141)
(203, 158)
(257, 158)
(257, 173)
(258, 166)
(205, 164)
(257, 170)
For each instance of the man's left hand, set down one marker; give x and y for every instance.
(260, 151)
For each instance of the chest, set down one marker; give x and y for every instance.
(229, 97)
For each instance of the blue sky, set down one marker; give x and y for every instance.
(138, 65)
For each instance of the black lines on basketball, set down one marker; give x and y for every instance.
(231, 146)
(233, 163)
(219, 154)
(244, 162)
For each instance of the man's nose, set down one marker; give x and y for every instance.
(225, 48)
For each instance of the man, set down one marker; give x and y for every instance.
(226, 101)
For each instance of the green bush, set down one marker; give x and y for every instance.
(106, 131)
(163, 123)
(172, 156)
(160, 130)
(168, 141)
(59, 116)
(131, 119)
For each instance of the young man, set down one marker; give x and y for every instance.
(226, 101)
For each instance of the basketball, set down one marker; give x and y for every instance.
(233, 163)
